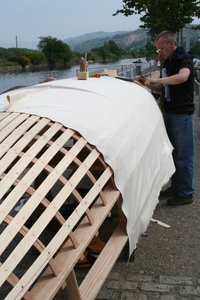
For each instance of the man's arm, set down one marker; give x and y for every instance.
(155, 84)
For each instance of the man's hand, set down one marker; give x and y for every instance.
(151, 81)
(154, 84)
(142, 79)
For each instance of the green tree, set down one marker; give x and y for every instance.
(195, 49)
(35, 57)
(114, 49)
(54, 50)
(159, 15)
(20, 59)
(104, 52)
(109, 50)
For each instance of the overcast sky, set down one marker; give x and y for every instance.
(30, 19)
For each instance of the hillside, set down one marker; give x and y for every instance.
(124, 39)
(74, 41)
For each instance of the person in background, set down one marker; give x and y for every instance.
(176, 85)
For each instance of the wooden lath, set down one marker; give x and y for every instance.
(32, 148)
(38, 245)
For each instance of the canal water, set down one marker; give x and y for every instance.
(124, 67)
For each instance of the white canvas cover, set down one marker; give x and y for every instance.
(124, 122)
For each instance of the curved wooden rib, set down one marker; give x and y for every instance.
(39, 246)
(31, 146)
(13, 280)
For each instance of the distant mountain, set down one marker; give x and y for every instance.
(84, 43)
(124, 39)
(136, 39)
(74, 41)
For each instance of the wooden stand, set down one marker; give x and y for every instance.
(83, 75)
(29, 146)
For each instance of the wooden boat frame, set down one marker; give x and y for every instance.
(36, 154)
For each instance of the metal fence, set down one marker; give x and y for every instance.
(130, 71)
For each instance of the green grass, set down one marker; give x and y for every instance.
(7, 64)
